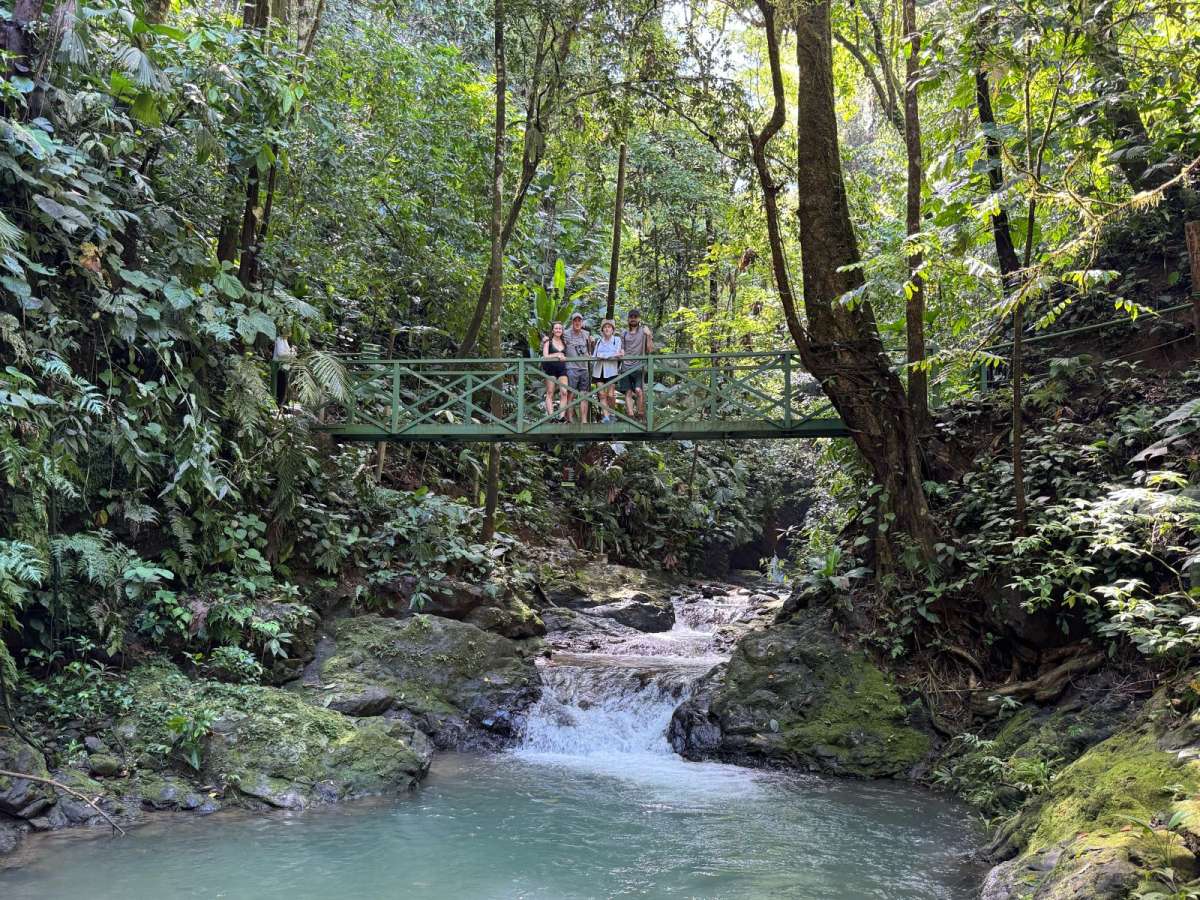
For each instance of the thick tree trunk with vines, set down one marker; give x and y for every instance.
(1123, 123)
(839, 343)
(497, 268)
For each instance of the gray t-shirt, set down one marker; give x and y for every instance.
(634, 343)
(577, 348)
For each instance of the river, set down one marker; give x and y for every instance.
(593, 803)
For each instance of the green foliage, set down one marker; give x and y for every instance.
(234, 664)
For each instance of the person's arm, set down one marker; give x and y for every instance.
(649, 340)
(546, 348)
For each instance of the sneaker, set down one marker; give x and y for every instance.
(607, 420)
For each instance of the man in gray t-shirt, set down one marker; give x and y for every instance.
(579, 347)
(636, 340)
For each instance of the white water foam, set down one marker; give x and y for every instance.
(607, 713)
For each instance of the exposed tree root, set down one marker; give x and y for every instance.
(1042, 689)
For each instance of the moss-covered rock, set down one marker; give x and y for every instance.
(264, 744)
(450, 679)
(596, 583)
(510, 616)
(1107, 822)
(22, 798)
(793, 694)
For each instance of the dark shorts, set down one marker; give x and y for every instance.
(579, 380)
(554, 369)
(632, 380)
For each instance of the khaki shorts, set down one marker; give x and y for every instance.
(578, 380)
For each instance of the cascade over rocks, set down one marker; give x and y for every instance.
(453, 681)
(792, 694)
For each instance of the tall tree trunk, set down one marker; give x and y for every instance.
(538, 116)
(839, 344)
(918, 377)
(1123, 123)
(17, 40)
(497, 267)
(1006, 252)
(614, 265)
(1010, 266)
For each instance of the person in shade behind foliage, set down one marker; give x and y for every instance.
(579, 347)
(636, 340)
(607, 353)
(554, 355)
(282, 357)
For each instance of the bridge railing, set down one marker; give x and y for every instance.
(685, 393)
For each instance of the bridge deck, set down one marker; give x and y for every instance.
(706, 396)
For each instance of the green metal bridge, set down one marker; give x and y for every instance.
(689, 396)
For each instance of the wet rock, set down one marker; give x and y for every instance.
(11, 833)
(93, 744)
(1096, 831)
(511, 617)
(21, 797)
(641, 611)
(370, 701)
(104, 765)
(450, 679)
(601, 583)
(794, 695)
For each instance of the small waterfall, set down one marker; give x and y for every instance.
(591, 708)
(599, 707)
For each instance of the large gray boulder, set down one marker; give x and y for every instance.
(641, 611)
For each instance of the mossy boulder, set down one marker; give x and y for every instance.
(1111, 819)
(264, 745)
(456, 682)
(23, 798)
(510, 616)
(598, 583)
(794, 695)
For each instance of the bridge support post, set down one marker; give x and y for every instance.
(395, 419)
(649, 393)
(787, 390)
(521, 396)
(469, 400)
(712, 386)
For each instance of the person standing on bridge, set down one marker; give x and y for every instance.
(554, 355)
(608, 351)
(579, 348)
(635, 341)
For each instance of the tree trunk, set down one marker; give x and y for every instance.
(918, 376)
(839, 344)
(1191, 233)
(538, 116)
(1006, 252)
(1010, 266)
(614, 264)
(16, 39)
(497, 268)
(1123, 123)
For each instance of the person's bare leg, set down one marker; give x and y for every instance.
(549, 398)
(641, 402)
(583, 409)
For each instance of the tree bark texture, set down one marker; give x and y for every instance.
(497, 268)
(914, 313)
(614, 265)
(839, 343)
(553, 48)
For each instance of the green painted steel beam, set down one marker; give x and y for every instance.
(591, 433)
